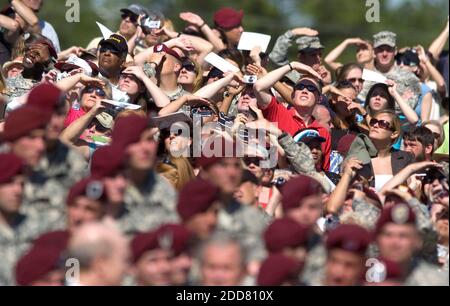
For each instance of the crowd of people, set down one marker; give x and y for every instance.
(138, 161)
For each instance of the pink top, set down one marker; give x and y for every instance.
(73, 115)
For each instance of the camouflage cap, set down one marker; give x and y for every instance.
(309, 43)
(385, 38)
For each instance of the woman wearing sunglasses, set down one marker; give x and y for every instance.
(384, 130)
(89, 131)
(191, 75)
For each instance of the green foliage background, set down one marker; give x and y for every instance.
(415, 21)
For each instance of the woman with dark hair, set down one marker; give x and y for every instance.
(140, 88)
(346, 108)
(351, 73)
(386, 97)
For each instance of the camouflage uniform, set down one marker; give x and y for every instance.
(46, 188)
(298, 154)
(425, 274)
(408, 84)
(279, 54)
(15, 241)
(148, 207)
(313, 270)
(245, 223)
(366, 212)
(17, 87)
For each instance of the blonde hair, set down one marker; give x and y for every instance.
(177, 170)
(396, 124)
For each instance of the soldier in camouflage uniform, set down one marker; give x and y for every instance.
(17, 229)
(59, 167)
(401, 219)
(39, 58)
(385, 46)
(243, 222)
(309, 50)
(149, 199)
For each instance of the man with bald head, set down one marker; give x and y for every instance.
(102, 253)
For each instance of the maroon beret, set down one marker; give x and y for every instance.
(66, 67)
(285, 233)
(196, 197)
(297, 189)
(349, 237)
(107, 161)
(144, 242)
(10, 166)
(228, 18)
(46, 97)
(88, 187)
(59, 239)
(163, 48)
(278, 269)
(399, 213)
(128, 130)
(23, 121)
(219, 148)
(37, 263)
(345, 143)
(178, 235)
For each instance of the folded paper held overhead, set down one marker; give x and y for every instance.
(106, 33)
(373, 76)
(220, 63)
(122, 105)
(250, 40)
(165, 122)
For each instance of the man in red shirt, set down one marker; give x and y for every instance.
(305, 97)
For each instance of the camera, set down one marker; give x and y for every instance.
(250, 79)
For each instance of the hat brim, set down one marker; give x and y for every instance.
(126, 10)
(310, 50)
(309, 139)
(384, 44)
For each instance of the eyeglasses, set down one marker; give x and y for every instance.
(112, 50)
(381, 123)
(252, 160)
(98, 127)
(133, 18)
(98, 91)
(189, 67)
(309, 88)
(354, 80)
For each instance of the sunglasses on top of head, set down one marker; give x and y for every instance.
(385, 125)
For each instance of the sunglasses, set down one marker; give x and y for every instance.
(98, 127)
(252, 160)
(189, 67)
(354, 80)
(133, 18)
(132, 77)
(310, 88)
(98, 91)
(202, 111)
(385, 125)
(112, 50)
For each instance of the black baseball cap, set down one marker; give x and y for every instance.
(118, 42)
(135, 9)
